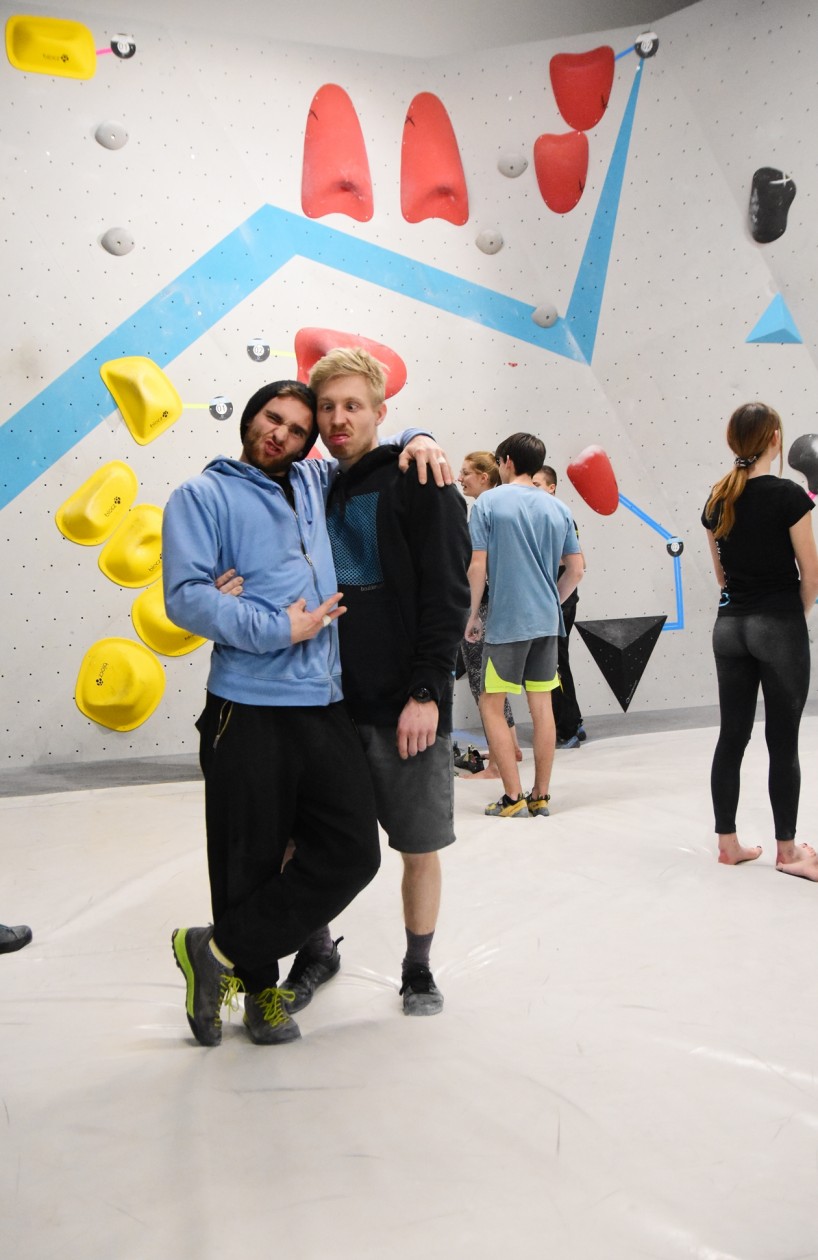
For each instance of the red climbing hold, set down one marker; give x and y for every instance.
(592, 476)
(311, 344)
(561, 166)
(582, 85)
(335, 176)
(432, 183)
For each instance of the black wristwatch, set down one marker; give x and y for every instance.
(422, 694)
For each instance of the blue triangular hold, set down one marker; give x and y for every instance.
(776, 325)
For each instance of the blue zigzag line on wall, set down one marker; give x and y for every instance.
(68, 409)
(679, 623)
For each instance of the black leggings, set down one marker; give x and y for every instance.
(773, 651)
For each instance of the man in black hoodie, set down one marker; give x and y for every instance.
(401, 552)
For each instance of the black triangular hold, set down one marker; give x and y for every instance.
(621, 648)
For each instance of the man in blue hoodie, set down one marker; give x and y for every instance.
(278, 750)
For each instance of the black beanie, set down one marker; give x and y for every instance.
(293, 389)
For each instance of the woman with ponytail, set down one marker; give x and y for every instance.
(766, 564)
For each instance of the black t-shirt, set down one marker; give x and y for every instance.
(757, 555)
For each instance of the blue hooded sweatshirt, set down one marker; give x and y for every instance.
(233, 516)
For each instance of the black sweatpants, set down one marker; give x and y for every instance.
(567, 716)
(772, 651)
(272, 774)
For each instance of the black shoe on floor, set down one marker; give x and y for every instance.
(307, 973)
(421, 996)
(12, 938)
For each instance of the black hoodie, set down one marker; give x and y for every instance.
(401, 552)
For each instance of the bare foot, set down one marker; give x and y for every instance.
(731, 852)
(789, 853)
(489, 772)
(806, 867)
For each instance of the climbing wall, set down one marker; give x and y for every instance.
(552, 237)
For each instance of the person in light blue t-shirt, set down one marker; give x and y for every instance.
(520, 537)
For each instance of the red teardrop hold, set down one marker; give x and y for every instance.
(311, 344)
(561, 166)
(335, 177)
(432, 183)
(582, 85)
(592, 476)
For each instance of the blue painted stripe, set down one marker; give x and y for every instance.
(679, 623)
(582, 316)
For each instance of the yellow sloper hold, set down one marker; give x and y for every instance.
(154, 626)
(148, 402)
(119, 684)
(43, 45)
(92, 513)
(133, 555)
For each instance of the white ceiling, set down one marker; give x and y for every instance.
(413, 28)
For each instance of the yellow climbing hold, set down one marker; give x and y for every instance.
(133, 555)
(154, 626)
(92, 513)
(44, 45)
(119, 684)
(147, 400)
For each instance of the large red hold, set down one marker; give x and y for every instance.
(592, 476)
(311, 344)
(432, 183)
(335, 177)
(582, 85)
(561, 167)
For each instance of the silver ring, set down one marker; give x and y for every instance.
(327, 621)
(441, 459)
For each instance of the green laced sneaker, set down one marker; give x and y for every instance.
(267, 1018)
(210, 985)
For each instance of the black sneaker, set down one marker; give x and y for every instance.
(210, 985)
(421, 996)
(307, 973)
(13, 938)
(267, 1017)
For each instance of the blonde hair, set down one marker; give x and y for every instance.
(750, 431)
(484, 462)
(351, 361)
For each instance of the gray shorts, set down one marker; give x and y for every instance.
(532, 663)
(414, 798)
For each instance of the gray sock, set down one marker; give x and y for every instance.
(418, 949)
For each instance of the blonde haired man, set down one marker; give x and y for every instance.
(401, 552)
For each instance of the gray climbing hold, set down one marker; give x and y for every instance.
(512, 164)
(490, 241)
(111, 135)
(220, 407)
(545, 316)
(117, 240)
(258, 350)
